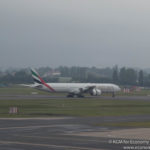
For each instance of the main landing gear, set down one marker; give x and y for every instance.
(75, 95)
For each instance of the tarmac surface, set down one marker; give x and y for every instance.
(70, 133)
(32, 96)
(63, 133)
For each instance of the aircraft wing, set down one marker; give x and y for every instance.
(88, 88)
(29, 85)
(82, 90)
(26, 85)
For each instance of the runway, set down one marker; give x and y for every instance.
(59, 133)
(45, 134)
(54, 133)
(24, 97)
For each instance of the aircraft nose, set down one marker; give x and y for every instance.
(118, 88)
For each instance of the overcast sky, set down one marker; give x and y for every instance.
(99, 33)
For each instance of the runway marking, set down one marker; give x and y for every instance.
(45, 126)
(42, 126)
(64, 138)
(38, 118)
(47, 145)
(33, 126)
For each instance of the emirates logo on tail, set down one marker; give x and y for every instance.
(37, 79)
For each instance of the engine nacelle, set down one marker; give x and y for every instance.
(96, 92)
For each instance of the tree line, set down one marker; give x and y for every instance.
(121, 76)
(128, 76)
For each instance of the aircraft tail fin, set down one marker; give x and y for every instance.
(36, 76)
(37, 79)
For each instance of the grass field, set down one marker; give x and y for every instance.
(69, 107)
(74, 107)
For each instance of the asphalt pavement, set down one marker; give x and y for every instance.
(63, 133)
(58, 133)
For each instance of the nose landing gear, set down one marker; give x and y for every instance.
(113, 94)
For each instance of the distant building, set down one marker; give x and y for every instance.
(52, 73)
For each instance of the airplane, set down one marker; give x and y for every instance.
(73, 89)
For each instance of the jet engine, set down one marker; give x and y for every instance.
(95, 92)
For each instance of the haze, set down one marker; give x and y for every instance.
(99, 33)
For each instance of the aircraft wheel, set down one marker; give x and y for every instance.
(113, 94)
(70, 95)
(80, 96)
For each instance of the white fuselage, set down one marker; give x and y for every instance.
(73, 87)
